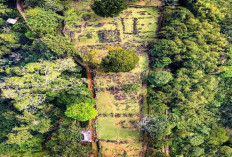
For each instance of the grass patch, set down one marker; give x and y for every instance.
(122, 128)
(106, 103)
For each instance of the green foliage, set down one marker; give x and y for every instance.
(159, 78)
(218, 136)
(76, 95)
(109, 8)
(130, 87)
(225, 151)
(197, 151)
(93, 59)
(7, 115)
(81, 112)
(33, 89)
(164, 48)
(33, 3)
(120, 61)
(66, 142)
(72, 16)
(170, 2)
(208, 10)
(8, 42)
(54, 5)
(227, 73)
(157, 127)
(58, 44)
(193, 100)
(197, 140)
(161, 62)
(42, 21)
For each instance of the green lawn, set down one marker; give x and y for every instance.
(111, 128)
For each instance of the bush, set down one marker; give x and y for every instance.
(120, 61)
(160, 78)
(109, 8)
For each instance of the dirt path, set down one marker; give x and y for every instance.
(20, 10)
(90, 87)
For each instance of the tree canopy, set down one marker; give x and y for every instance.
(120, 60)
(109, 8)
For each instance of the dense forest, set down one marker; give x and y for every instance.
(45, 101)
(190, 80)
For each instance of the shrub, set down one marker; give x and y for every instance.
(120, 61)
(109, 8)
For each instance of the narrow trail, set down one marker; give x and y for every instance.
(90, 87)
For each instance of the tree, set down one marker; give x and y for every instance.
(66, 142)
(157, 127)
(58, 44)
(120, 61)
(42, 21)
(109, 8)
(81, 112)
(160, 78)
(164, 48)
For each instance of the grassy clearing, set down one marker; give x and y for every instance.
(118, 129)
(108, 104)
